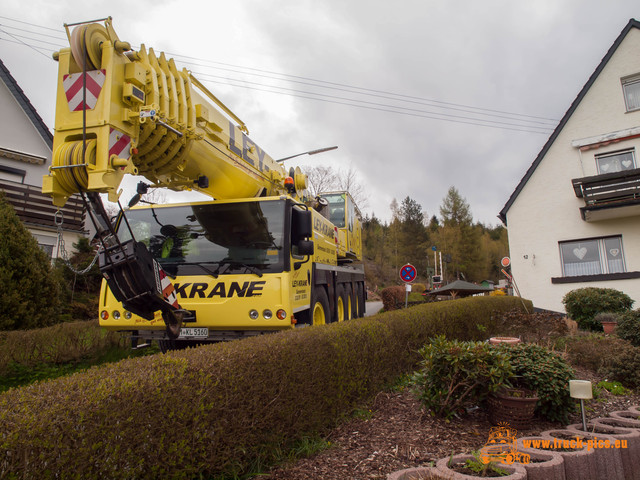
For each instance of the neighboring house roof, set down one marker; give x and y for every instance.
(503, 213)
(461, 288)
(26, 105)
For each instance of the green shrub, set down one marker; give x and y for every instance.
(30, 291)
(615, 388)
(454, 375)
(221, 408)
(583, 304)
(628, 327)
(537, 368)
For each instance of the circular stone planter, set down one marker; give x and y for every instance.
(546, 465)
(629, 456)
(504, 340)
(418, 473)
(516, 471)
(628, 416)
(579, 464)
(608, 461)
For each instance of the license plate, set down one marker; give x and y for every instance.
(194, 332)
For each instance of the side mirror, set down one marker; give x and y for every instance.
(301, 225)
(305, 247)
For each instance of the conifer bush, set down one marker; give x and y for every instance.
(30, 290)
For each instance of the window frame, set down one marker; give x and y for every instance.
(603, 258)
(626, 82)
(600, 156)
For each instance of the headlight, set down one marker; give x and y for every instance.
(127, 314)
(267, 314)
(116, 315)
(253, 314)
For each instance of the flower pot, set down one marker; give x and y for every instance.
(578, 463)
(514, 406)
(609, 327)
(419, 473)
(516, 471)
(630, 456)
(504, 340)
(608, 461)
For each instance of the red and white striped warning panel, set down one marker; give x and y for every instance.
(168, 291)
(119, 144)
(73, 84)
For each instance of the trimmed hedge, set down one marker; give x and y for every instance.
(221, 408)
(65, 342)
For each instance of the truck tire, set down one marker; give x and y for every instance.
(360, 299)
(320, 313)
(352, 306)
(343, 304)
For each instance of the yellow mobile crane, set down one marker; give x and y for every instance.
(260, 256)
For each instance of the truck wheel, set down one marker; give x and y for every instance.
(360, 299)
(343, 305)
(352, 304)
(320, 313)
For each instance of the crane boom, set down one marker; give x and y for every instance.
(134, 112)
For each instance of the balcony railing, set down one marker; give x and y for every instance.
(610, 195)
(35, 208)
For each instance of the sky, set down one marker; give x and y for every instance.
(418, 95)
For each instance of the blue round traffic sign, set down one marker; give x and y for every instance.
(408, 273)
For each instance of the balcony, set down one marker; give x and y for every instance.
(610, 195)
(34, 208)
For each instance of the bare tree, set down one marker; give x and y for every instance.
(326, 179)
(321, 179)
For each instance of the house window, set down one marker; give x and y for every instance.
(615, 162)
(12, 174)
(593, 256)
(631, 88)
(48, 249)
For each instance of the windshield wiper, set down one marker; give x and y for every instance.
(226, 264)
(213, 273)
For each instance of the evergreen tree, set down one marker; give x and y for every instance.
(459, 238)
(413, 234)
(29, 291)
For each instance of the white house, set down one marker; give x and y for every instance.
(25, 156)
(574, 218)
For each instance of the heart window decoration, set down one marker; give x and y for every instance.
(580, 252)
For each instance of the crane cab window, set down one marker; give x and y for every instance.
(337, 208)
